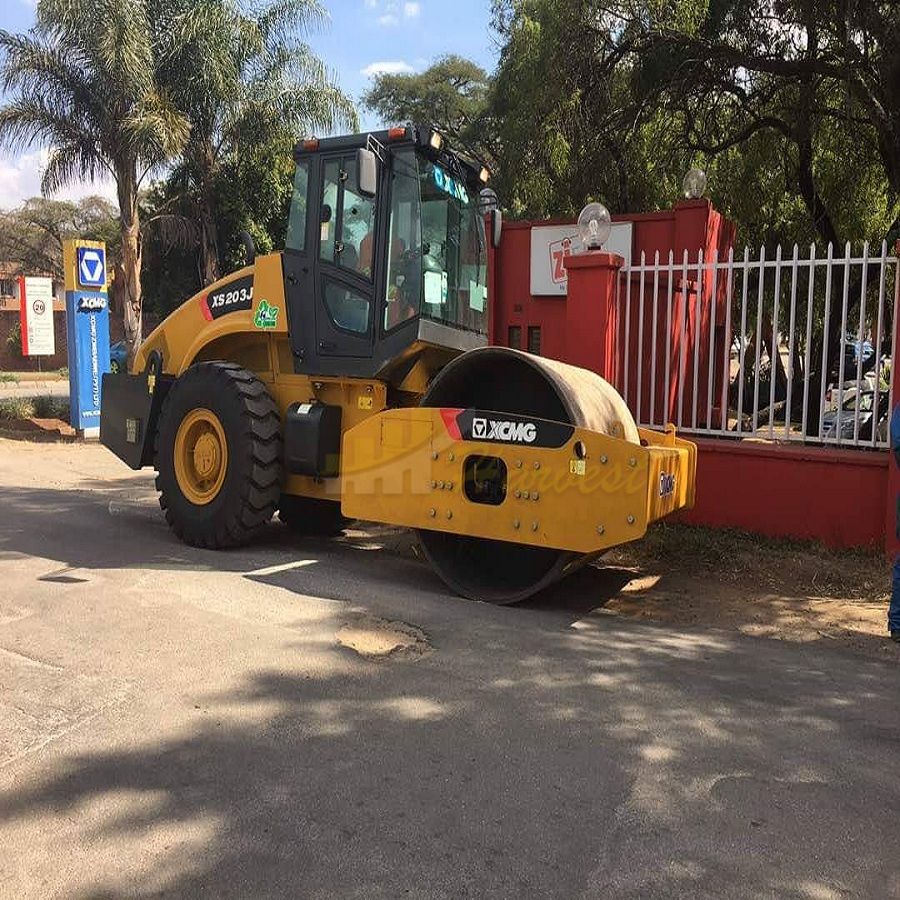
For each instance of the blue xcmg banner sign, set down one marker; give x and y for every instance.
(87, 321)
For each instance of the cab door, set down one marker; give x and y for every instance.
(346, 265)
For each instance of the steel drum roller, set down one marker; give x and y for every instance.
(502, 380)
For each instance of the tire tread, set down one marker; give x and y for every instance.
(261, 469)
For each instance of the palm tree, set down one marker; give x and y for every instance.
(244, 79)
(84, 81)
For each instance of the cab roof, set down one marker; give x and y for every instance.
(400, 136)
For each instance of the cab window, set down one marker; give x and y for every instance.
(347, 220)
(404, 275)
(348, 309)
(296, 229)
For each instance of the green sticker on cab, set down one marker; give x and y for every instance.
(266, 315)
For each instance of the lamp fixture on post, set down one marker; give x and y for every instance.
(594, 226)
(694, 184)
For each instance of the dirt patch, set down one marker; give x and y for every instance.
(790, 590)
(35, 429)
(376, 638)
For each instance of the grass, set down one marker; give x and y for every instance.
(760, 564)
(8, 378)
(21, 375)
(51, 407)
(18, 408)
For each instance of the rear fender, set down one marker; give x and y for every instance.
(240, 310)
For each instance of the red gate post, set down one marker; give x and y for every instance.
(591, 321)
(891, 542)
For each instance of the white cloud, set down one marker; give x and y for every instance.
(387, 67)
(20, 179)
(395, 10)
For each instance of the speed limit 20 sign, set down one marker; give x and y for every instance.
(36, 316)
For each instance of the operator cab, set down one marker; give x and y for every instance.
(385, 255)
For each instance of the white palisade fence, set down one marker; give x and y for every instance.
(777, 347)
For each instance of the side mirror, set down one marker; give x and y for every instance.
(366, 172)
(496, 227)
(249, 248)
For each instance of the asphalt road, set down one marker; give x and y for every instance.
(183, 723)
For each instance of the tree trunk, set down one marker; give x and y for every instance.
(776, 363)
(209, 240)
(209, 228)
(130, 228)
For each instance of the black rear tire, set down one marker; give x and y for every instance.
(310, 515)
(249, 493)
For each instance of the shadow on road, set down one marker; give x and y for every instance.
(120, 526)
(612, 760)
(533, 753)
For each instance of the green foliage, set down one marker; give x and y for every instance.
(213, 93)
(84, 82)
(259, 90)
(16, 408)
(451, 95)
(51, 407)
(793, 116)
(14, 339)
(33, 233)
(8, 378)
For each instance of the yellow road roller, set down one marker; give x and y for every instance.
(349, 377)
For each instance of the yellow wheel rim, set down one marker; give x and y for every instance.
(201, 456)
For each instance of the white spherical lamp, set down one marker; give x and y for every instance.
(694, 184)
(594, 226)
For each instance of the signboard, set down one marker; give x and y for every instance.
(92, 267)
(36, 310)
(551, 244)
(87, 320)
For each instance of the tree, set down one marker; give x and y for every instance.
(792, 108)
(33, 234)
(572, 120)
(818, 79)
(252, 192)
(451, 95)
(259, 86)
(84, 83)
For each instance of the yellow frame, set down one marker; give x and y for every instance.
(403, 467)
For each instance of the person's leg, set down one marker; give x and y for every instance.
(894, 608)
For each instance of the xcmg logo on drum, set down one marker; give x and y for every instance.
(511, 432)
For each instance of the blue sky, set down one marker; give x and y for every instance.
(363, 37)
